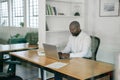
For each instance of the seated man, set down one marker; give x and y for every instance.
(79, 43)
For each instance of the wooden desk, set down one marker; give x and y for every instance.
(16, 47)
(77, 68)
(12, 48)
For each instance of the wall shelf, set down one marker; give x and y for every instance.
(64, 16)
(68, 1)
(58, 31)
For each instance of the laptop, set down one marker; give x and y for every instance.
(51, 51)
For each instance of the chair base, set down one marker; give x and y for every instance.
(4, 75)
(11, 78)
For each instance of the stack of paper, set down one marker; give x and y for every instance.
(56, 65)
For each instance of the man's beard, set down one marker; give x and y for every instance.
(75, 34)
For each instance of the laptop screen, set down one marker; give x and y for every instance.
(51, 51)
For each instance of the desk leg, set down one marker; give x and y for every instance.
(58, 76)
(42, 73)
(111, 75)
(1, 62)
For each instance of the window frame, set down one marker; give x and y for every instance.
(2, 16)
(25, 15)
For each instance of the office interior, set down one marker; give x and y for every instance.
(92, 21)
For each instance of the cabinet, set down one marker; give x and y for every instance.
(55, 17)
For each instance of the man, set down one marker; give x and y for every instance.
(79, 43)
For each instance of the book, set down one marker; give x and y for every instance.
(47, 29)
(47, 13)
(55, 11)
(50, 10)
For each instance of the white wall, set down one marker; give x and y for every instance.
(107, 28)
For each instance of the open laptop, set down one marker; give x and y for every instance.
(51, 51)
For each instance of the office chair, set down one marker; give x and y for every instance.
(10, 74)
(95, 42)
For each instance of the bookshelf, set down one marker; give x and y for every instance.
(60, 16)
(57, 16)
(63, 7)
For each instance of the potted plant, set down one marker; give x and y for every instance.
(22, 24)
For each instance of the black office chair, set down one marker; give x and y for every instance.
(10, 74)
(95, 43)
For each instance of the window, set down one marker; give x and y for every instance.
(4, 13)
(33, 12)
(13, 13)
(18, 14)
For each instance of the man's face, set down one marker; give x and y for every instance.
(74, 31)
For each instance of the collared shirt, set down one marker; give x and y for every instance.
(79, 46)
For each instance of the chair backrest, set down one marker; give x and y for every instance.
(94, 46)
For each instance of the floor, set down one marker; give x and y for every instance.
(26, 71)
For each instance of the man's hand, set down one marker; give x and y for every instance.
(64, 55)
(60, 55)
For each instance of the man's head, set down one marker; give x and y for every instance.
(75, 28)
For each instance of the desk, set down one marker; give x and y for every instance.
(77, 68)
(12, 48)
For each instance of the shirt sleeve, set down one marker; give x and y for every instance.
(86, 47)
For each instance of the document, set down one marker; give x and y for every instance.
(56, 65)
(41, 53)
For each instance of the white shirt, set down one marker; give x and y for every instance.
(79, 46)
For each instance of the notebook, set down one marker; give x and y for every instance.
(51, 51)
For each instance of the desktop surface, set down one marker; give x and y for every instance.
(78, 68)
(16, 47)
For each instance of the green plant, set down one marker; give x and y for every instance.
(16, 35)
(22, 24)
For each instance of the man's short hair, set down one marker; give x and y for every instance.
(75, 24)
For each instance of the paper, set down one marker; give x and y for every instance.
(56, 65)
(41, 53)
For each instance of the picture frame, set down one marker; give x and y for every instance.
(109, 8)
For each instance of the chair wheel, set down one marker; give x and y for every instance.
(15, 78)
